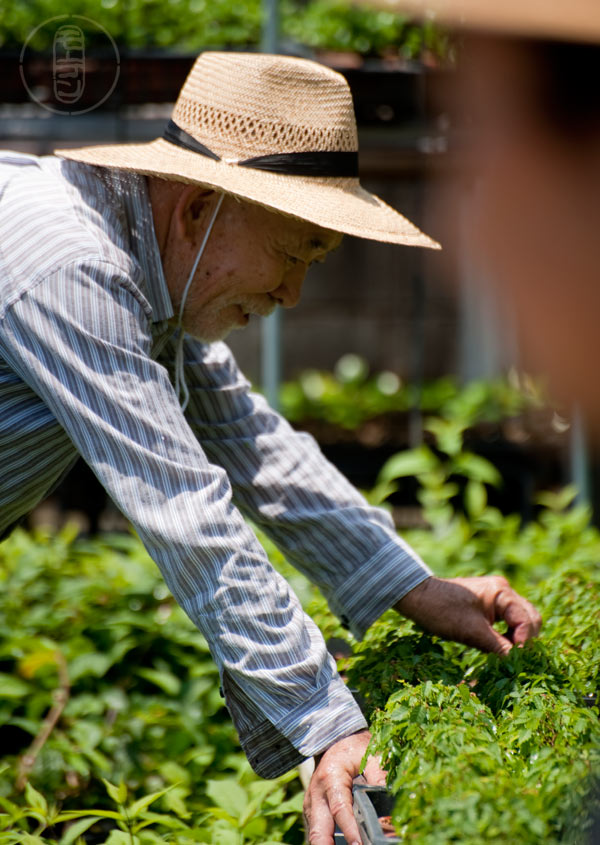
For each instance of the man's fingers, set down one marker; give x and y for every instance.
(465, 610)
(318, 822)
(322, 813)
(486, 638)
(522, 618)
(328, 798)
(498, 643)
(340, 804)
(373, 772)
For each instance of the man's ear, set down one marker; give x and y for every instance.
(191, 209)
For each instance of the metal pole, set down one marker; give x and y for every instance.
(270, 365)
(270, 32)
(579, 458)
(271, 326)
(415, 428)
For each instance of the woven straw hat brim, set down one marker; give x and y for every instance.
(578, 20)
(333, 203)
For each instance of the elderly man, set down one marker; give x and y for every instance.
(122, 267)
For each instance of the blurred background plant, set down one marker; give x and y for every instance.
(193, 25)
(349, 396)
(90, 624)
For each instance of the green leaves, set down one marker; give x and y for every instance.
(475, 468)
(329, 24)
(482, 748)
(75, 830)
(117, 793)
(136, 809)
(228, 795)
(164, 679)
(11, 687)
(144, 725)
(448, 433)
(414, 462)
(36, 800)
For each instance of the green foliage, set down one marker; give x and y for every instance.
(193, 25)
(341, 25)
(144, 750)
(486, 749)
(481, 748)
(349, 397)
(186, 25)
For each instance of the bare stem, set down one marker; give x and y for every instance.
(60, 696)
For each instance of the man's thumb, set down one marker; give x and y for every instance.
(495, 642)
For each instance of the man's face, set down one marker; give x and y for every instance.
(254, 260)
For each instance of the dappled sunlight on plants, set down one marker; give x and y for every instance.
(144, 749)
(482, 748)
(112, 723)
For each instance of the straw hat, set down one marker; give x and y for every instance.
(578, 20)
(274, 130)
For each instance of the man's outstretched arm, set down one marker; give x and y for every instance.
(282, 481)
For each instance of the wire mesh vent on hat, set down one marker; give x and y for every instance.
(274, 130)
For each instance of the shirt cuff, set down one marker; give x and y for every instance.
(377, 586)
(313, 726)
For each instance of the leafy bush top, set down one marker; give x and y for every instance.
(194, 25)
(481, 748)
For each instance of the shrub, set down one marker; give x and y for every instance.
(102, 670)
(481, 748)
(194, 25)
(106, 675)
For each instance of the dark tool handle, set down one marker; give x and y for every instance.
(369, 803)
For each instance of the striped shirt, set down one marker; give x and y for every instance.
(86, 368)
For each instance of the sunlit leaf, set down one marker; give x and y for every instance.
(228, 795)
(117, 793)
(12, 687)
(167, 682)
(476, 468)
(410, 463)
(35, 799)
(76, 829)
(142, 803)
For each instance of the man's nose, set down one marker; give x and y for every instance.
(288, 292)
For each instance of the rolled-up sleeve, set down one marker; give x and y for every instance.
(81, 340)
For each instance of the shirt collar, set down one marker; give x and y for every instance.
(132, 188)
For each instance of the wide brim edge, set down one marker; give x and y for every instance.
(160, 159)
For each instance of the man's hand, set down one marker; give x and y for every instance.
(329, 796)
(464, 610)
(461, 609)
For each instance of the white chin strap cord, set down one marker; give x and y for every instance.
(181, 389)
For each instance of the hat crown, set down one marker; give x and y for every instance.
(242, 105)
